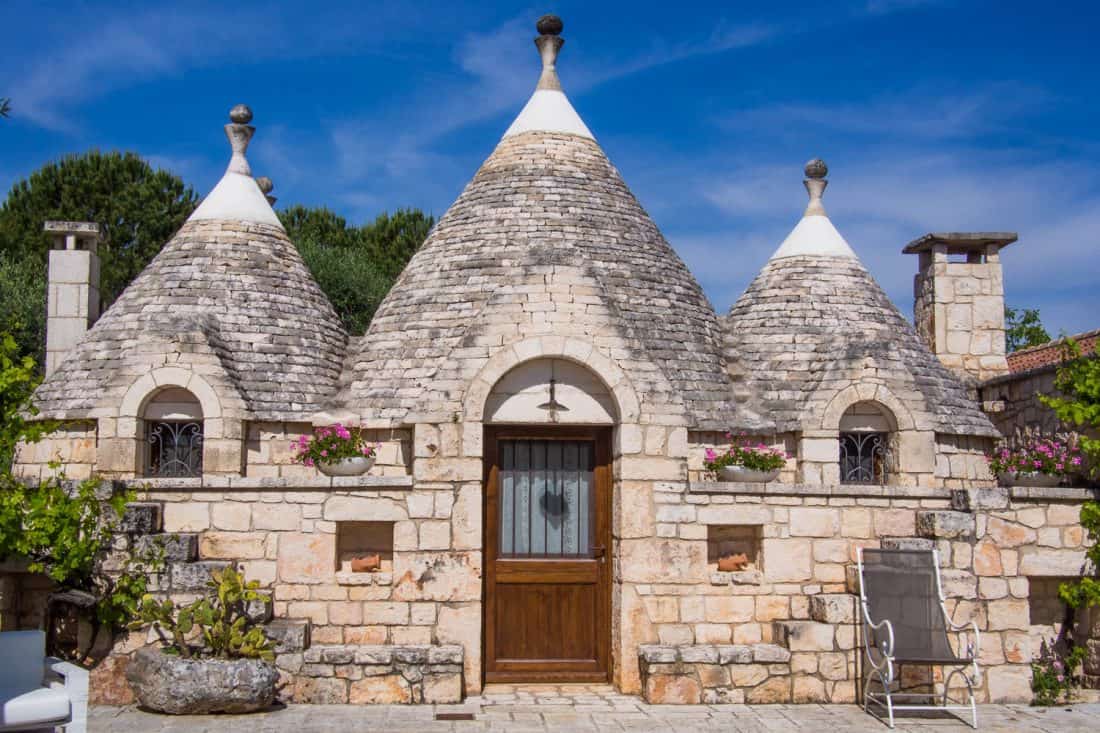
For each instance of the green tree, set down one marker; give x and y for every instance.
(1023, 329)
(391, 241)
(1078, 404)
(138, 207)
(355, 266)
(18, 378)
(23, 303)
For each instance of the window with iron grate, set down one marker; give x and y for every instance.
(175, 449)
(864, 458)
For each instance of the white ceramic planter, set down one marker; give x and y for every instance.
(1041, 480)
(355, 466)
(746, 475)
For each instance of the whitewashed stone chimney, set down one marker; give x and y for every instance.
(959, 301)
(73, 297)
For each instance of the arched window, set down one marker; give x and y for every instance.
(865, 438)
(173, 434)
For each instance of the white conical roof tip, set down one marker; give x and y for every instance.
(815, 235)
(548, 109)
(237, 197)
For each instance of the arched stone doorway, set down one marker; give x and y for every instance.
(548, 425)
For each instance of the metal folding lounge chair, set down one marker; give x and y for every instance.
(905, 622)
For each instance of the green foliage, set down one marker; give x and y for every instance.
(1023, 329)
(1053, 676)
(18, 378)
(122, 594)
(138, 208)
(347, 276)
(332, 444)
(61, 529)
(1078, 404)
(23, 303)
(355, 266)
(219, 619)
(391, 241)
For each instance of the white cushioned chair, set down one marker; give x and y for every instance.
(37, 691)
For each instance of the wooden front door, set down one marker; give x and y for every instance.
(547, 574)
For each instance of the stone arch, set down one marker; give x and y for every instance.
(552, 347)
(145, 388)
(874, 393)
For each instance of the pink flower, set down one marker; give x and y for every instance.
(324, 454)
(308, 461)
(366, 450)
(710, 454)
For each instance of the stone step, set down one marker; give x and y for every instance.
(290, 635)
(193, 576)
(178, 546)
(943, 524)
(805, 636)
(141, 518)
(833, 608)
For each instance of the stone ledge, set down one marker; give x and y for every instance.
(1054, 493)
(737, 577)
(852, 490)
(340, 674)
(713, 654)
(346, 577)
(252, 483)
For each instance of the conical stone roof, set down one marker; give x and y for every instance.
(546, 239)
(814, 321)
(229, 296)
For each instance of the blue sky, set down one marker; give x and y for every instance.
(932, 116)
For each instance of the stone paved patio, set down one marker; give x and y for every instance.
(589, 708)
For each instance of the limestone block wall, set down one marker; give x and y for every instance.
(73, 447)
(959, 313)
(798, 594)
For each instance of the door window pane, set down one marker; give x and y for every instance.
(546, 494)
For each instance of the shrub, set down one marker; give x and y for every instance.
(219, 620)
(331, 445)
(1053, 677)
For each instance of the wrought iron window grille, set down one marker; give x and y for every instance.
(175, 449)
(864, 458)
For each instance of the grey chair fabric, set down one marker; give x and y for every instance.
(902, 586)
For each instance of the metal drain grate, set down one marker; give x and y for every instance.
(455, 716)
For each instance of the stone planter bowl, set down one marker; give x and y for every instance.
(354, 466)
(170, 684)
(747, 475)
(1041, 480)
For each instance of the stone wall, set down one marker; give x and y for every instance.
(799, 594)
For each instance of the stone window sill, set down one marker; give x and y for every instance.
(253, 483)
(350, 578)
(776, 488)
(737, 577)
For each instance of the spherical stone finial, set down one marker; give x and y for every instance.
(241, 114)
(817, 169)
(266, 185)
(549, 25)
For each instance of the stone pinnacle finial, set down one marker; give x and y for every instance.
(549, 43)
(266, 187)
(239, 133)
(815, 183)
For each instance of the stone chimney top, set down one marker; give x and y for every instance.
(74, 235)
(815, 184)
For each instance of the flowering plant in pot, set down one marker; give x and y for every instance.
(336, 450)
(1038, 462)
(745, 462)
